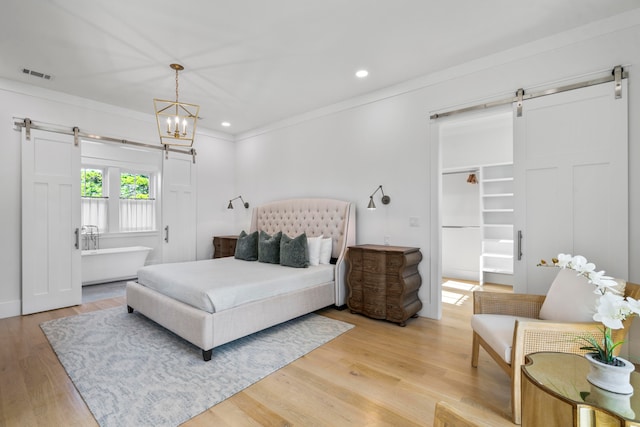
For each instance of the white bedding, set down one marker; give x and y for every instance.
(218, 284)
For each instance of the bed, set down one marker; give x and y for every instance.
(231, 317)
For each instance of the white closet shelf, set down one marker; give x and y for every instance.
(497, 210)
(498, 195)
(507, 178)
(496, 255)
(497, 270)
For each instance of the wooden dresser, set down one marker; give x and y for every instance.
(224, 246)
(383, 281)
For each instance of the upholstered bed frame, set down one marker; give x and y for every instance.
(327, 217)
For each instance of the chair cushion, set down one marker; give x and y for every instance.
(497, 331)
(570, 298)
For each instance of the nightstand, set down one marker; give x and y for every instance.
(383, 282)
(224, 246)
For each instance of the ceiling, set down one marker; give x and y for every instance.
(255, 62)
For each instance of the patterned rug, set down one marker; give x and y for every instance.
(132, 372)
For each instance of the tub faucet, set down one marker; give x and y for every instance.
(91, 237)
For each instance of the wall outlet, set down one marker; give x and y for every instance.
(414, 221)
(386, 240)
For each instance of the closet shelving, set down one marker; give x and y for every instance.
(496, 204)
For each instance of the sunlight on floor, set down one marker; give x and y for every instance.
(456, 298)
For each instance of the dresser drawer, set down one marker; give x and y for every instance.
(374, 262)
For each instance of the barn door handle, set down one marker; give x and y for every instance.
(519, 250)
(77, 233)
(166, 234)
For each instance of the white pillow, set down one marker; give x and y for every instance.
(313, 243)
(325, 250)
(570, 299)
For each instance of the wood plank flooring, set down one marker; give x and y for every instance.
(377, 374)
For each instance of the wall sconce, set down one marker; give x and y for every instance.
(230, 206)
(385, 199)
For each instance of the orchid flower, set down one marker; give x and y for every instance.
(603, 283)
(611, 309)
(580, 264)
(564, 260)
(634, 305)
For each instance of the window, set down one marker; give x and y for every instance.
(132, 204)
(137, 204)
(94, 204)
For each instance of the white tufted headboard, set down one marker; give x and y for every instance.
(315, 217)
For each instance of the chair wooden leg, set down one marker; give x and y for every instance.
(516, 395)
(475, 350)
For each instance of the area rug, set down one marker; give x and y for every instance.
(132, 372)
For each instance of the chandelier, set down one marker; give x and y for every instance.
(176, 120)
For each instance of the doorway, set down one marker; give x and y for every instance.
(476, 194)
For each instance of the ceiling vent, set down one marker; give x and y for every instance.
(36, 74)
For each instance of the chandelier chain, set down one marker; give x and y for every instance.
(176, 85)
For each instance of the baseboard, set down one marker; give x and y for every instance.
(10, 309)
(499, 279)
(455, 273)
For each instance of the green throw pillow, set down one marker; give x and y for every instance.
(269, 247)
(294, 252)
(247, 246)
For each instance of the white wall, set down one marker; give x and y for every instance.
(385, 138)
(216, 169)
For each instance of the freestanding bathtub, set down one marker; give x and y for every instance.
(112, 264)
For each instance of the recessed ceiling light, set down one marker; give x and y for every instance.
(362, 74)
(225, 124)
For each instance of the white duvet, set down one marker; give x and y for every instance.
(222, 283)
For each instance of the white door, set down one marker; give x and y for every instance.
(50, 222)
(571, 183)
(178, 208)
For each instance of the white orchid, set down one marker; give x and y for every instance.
(611, 308)
(580, 264)
(603, 283)
(563, 260)
(634, 305)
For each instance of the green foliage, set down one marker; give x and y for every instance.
(604, 351)
(134, 186)
(91, 184)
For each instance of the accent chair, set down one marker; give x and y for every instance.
(509, 326)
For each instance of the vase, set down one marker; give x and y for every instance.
(616, 379)
(614, 402)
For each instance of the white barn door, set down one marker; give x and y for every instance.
(571, 183)
(50, 222)
(178, 209)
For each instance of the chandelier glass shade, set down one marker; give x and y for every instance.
(176, 120)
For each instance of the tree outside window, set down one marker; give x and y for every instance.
(91, 184)
(134, 186)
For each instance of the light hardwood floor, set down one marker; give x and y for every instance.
(377, 374)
